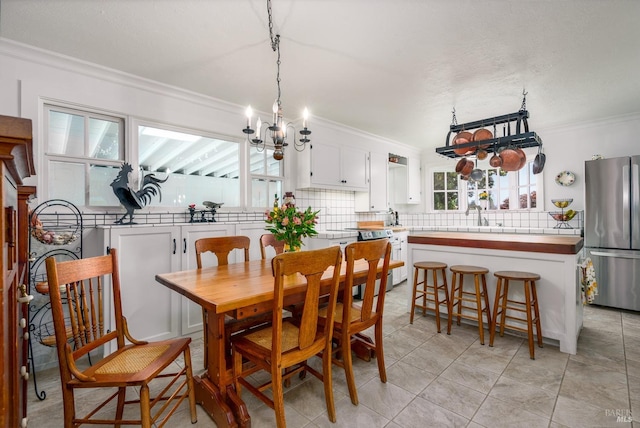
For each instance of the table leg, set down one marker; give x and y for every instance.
(214, 389)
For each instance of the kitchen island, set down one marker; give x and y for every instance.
(554, 257)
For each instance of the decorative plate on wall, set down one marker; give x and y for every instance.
(565, 178)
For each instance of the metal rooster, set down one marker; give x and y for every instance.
(132, 199)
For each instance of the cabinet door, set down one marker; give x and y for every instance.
(354, 168)
(254, 231)
(152, 310)
(404, 254)
(375, 198)
(325, 165)
(191, 319)
(414, 181)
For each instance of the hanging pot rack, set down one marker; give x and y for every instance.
(523, 138)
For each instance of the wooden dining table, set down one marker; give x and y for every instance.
(238, 290)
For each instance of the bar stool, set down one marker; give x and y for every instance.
(480, 296)
(503, 303)
(430, 292)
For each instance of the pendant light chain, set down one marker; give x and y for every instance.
(275, 45)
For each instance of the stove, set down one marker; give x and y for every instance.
(370, 235)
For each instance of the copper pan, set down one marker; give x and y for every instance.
(461, 163)
(468, 167)
(510, 159)
(463, 137)
(523, 158)
(481, 135)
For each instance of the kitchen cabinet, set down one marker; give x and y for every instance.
(404, 181)
(317, 243)
(414, 181)
(400, 252)
(375, 198)
(334, 167)
(16, 163)
(153, 312)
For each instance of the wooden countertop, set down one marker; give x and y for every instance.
(554, 244)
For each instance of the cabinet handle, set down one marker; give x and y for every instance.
(23, 423)
(174, 245)
(23, 322)
(26, 335)
(184, 243)
(24, 297)
(24, 373)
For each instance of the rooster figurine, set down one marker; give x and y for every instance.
(132, 199)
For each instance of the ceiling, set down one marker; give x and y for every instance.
(394, 68)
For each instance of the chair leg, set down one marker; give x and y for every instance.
(476, 281)
(494, 318)
(278, 397)
(192, 394)
(120, 406)
(145, 410)
(69, 405)
(527, 299)
(380, 351)
(347, 363)
(503, 314)
(536, 313)
(413, 298)
(436, 297)
(327, 380)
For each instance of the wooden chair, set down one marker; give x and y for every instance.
(268, 240)
(351, 319)
(286, 344)
(135, 364)
(221, 247)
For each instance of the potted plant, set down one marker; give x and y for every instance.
(290, 225)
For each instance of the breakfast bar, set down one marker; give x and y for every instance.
(554, 257)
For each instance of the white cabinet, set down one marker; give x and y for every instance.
(152, 311)
(400, 252)
(191, 312)
(414, 180)
(317, 243)
(404, 181)
(375, 199)
(333, 167)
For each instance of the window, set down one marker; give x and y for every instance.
(197, 168)
(266, 177)
(497, 190)
(445, 191)
(83, 151)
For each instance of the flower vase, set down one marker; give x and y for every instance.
(291, 248)
(483, 204)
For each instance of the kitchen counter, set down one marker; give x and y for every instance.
(554, 257)
(554, 244)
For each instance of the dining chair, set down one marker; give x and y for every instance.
(286, 344)
(221, 247)
(268, 240)
(83, 283)
(352, 319)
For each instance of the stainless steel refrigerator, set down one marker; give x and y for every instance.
(612, 229)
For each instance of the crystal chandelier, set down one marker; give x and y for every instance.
(277, 129)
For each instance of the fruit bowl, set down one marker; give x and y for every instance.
(561, 203)
(562, 216)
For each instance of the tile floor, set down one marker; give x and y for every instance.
(445, 380)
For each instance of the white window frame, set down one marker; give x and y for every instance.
(266, 153)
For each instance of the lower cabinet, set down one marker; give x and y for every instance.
(153, 311)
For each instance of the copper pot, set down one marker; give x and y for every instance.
(482, 154)
(510, 159)
(523, 157)
(463, 138)
(481, 135)
(461, 163)
(468, 167)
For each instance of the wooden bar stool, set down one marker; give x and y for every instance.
(430, 292)
(480, 296)
(503, 303)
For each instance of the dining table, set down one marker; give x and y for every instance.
(238, 290)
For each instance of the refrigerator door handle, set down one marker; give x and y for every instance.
(626, 185)
(635, 204)
(616, 255)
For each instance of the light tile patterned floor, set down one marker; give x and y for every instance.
(445, 380)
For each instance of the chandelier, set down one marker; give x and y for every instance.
(277, 129)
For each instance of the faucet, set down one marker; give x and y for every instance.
(479, 208)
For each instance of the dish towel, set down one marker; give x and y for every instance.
(589, 283)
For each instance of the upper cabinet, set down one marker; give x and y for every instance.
(375, 198)
(334, 167)
(404, 179)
